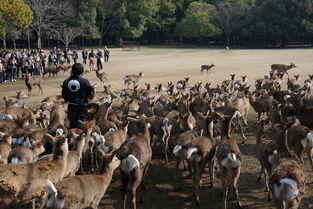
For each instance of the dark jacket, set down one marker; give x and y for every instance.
(77, 91)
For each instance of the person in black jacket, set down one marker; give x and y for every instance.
(76, 90)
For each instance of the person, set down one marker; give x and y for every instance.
(106, 54)
(76, 90)
(99, 59)
(85, 56)
(91, 58)
(75, 56)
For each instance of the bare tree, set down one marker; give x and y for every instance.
(227, 14)
(67, 34)
(48, 14)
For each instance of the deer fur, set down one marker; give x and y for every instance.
(25, 182)
(57, 117)
(83, 191)
(34, 80)
(5, 149)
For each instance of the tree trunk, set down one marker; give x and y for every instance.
(28, 40)
(39, 41)
(14, 44)
(4, 44)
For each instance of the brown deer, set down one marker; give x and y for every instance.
(128, 79)
(281, 68)
(35, 80)
(84, 191)
(287, 177)
(102, 76)
(135, 156)
(207, 68)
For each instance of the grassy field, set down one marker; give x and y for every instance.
(161, 65)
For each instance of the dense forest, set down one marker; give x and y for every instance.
(44, 23)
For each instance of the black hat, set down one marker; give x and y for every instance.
(77, 69)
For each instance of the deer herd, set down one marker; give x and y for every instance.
(45, 163)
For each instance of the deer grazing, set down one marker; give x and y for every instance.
(128, 79)
(281, 68)
(34, 80)
(207, 68)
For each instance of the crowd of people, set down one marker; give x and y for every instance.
(18, 63)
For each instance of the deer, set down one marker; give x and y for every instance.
(180, 154)
(83, 191)
(135, 155)
(102, 76)
(287, 177)
(128, 79)
(207, 68)
(303, 113)
(54, 70)
(266, 151)
(200, 152)
(21, 183)
(281, 68)
(73, 158)
(22, 154)
(34, 80)
(229, 158)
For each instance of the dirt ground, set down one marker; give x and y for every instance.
(161, 64)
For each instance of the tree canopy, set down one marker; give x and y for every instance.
(197, 21)
(14, 12)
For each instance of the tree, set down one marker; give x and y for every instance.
(68, 34)
(13, 14)
(87, 14)
(281, 20)
(228, 13)
(107, 9)
(132, 18)
(162, 24)
(197, 22)
(49, 14)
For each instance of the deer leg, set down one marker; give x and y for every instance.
(197, 178)
(261, 172)
(211, 170)
(310, 154)
(176, 174)
(236, 177)
(124, 181)
(241, 131)
(225, 190)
